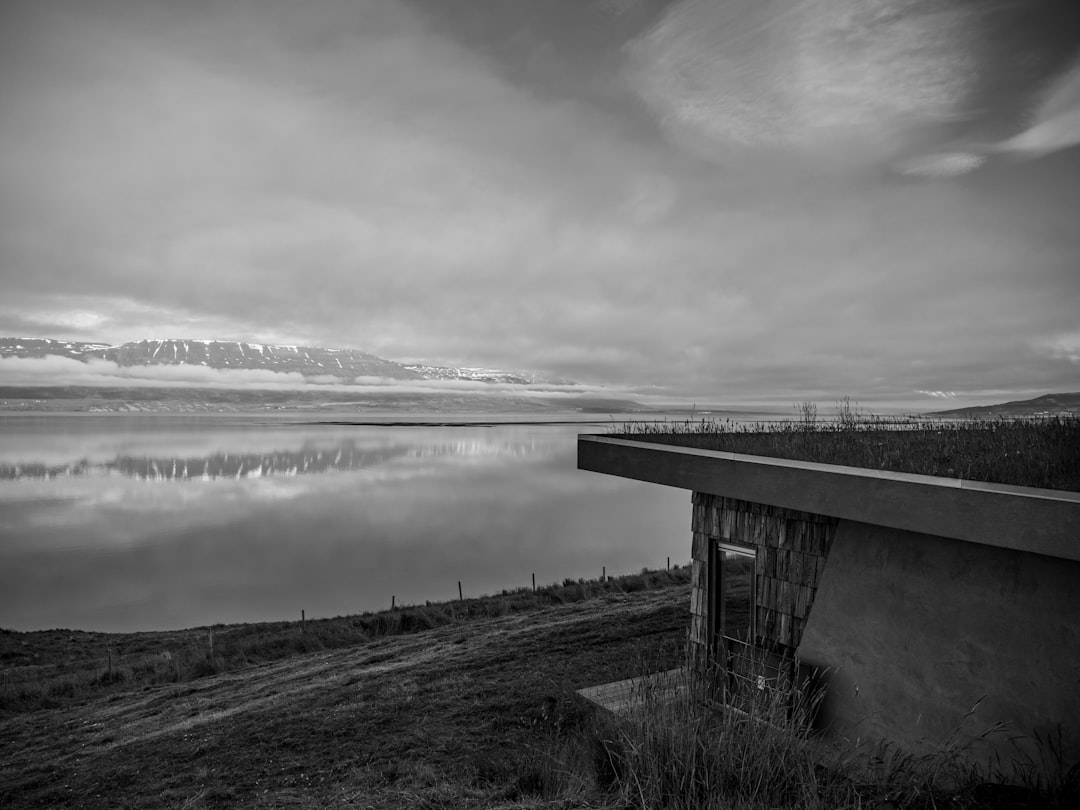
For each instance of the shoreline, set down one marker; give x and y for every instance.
(452, 714)
(63, 654)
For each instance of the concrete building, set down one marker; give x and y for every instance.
(930, 610)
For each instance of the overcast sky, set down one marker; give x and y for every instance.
(723, 201)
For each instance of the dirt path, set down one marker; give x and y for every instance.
(446, 717)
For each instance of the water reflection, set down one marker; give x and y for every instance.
(345, 454)
(142, 528)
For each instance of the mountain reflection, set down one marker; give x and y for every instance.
(345, 455)
(112, 527)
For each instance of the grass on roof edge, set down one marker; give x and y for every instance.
(1030, 452)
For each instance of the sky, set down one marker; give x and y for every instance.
(717, 201)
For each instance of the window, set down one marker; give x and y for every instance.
(754, 675)
(735, 591)
(733, 630)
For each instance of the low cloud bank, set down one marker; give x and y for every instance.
(54, 370)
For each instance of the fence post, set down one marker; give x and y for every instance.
(392, 598)
(302, 620)
(459, 596)
(603, 576)
(534, 582)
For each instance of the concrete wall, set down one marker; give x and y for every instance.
(1026, 519)
(917, 630)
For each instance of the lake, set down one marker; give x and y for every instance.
(124, 523)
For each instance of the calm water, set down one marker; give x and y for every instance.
(134, 523)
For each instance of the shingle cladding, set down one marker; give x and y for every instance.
(791, 546)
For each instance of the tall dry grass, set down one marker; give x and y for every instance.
(1043, 452)
(681, 747)
(677, 748)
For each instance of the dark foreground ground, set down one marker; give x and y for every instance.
(454, 716)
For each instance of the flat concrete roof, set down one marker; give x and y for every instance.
(1041, 521)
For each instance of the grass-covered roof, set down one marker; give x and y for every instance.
(1041, 453)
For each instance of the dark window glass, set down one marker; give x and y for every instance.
(736, 594)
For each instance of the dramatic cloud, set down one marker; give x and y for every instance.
(739, 201)
(1056, 122)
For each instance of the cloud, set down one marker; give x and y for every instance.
(847, 82)
(943, 164)
(53, 370)
(1056, 122)
(1065, 346)
(354, 187)
(471, 189)
(57, 370)
(940, 394)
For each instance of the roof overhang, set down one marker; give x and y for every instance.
(1041, 521)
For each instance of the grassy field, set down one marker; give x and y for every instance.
(446, 705)
(1025, 452)
(476, 709)
(47, 669)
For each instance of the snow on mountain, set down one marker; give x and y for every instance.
(221, 354)
(309, 361)
(40, 347)
(487, 375)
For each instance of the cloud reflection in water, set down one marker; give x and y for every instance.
(328, 521)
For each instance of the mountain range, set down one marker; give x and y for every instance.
(1046, 405)
(344, 366)
(312, 362)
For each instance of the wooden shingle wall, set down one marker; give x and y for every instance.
(791, 551)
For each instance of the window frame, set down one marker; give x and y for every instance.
(718, 545)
